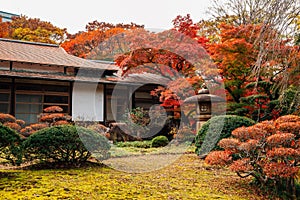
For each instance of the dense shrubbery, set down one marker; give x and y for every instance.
(66, 143)
(269, 151)
(136, 144)
(52, 139)
(52, 116)
(10, 145)
(144, 124)
(224, 124)
(99, 128)
(137, 121)
(159, 141)
(11, 122)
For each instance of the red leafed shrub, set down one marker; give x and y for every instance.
(252, 132)
(242, 165)
(11, 122)
(290, 127)
(269, 151)
(250, 145)
(280, 139)
(13, 125)
(20, 122)
(218, 158)
(53, 109)
(280, 153)
(242, 133)
(229, 143)
(6, 118)
(61, 122)
(51, 117)
(27, 131)
(54, 117)
(280, 170)
(268, 126)
(37, 127)
(287, 118)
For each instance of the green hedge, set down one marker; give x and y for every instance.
(217, 128)
(137, 144)
(10, 145)
(159, 141)
(67, 144)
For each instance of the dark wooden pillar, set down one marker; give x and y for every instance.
(10, 65)
(132, 99)
(104, 104)
(70, 98)
(13, 97)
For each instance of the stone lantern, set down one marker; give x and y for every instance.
(203, 102)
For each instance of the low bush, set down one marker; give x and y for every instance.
(11, 122)
(65, 144)
(136, 144)
(267, 151)
(159, 141)
(10, 145)
(224, 125)
(6, 118)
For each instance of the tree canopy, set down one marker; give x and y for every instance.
(32, 29)
(83, 43)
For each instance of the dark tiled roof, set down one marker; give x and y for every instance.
(48, 54)
(145, 78)
(49, 76)
(54, 55)
(133, 79)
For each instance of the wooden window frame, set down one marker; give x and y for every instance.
(43, 92)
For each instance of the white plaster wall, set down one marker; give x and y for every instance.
(88, 102)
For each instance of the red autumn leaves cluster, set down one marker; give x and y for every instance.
(268, 151)
(32, 29)
(11, 122)
(82, 44)
(52, 116)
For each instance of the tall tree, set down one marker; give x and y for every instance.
(83, 43)
(4, 29)
(272, 15)
(236, 56)
(176, 54)
(32, 29)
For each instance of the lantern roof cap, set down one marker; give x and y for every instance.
(204, 96)
(203, 91)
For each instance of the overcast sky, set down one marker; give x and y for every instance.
(74, 15)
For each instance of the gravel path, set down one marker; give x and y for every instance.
(142, 163)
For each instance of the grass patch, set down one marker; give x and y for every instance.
(124, 149)
(187, 178)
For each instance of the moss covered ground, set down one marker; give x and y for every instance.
(187, 178)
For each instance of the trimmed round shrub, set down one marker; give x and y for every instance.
(65, 144)
(159, 141)
(10, 145)
(224, 125)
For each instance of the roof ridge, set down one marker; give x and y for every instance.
(28, 42)
(4, 12)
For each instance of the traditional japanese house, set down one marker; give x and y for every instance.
(34, 76)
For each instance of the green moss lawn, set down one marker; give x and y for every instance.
(187, 178)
